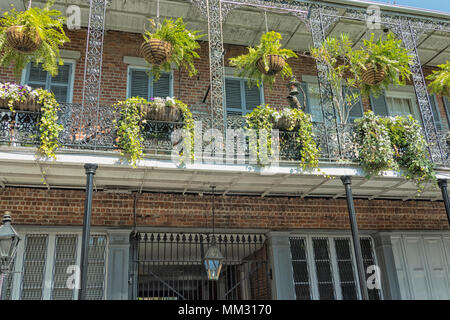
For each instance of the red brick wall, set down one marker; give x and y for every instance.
(191, 91)
(65, 207)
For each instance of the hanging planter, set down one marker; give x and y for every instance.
(170, 43)
(160, 109)
(156, 52)
(275, 64)
(373, 75)
(440, 80)
(32, 36)
(262, 63)
(22, 39)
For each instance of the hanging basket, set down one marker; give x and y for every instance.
(30, 105)
(275, 63)
(283, 123)
(373, 76)
(166, 114)
(22, 40)
(156, 51)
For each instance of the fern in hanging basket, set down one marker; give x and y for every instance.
(383, 62)
(170, 42)
(440, 80)
(262, 63)
(34, 35)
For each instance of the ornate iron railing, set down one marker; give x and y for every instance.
(21, 129)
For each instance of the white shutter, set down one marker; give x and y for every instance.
(96, 267)
(416, 268)
(400, 267)
(65, 256)
(437, 268)
(35, 256)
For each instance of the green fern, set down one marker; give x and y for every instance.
(48, 24)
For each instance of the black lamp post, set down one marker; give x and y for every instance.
(9, 241)
(213, 257)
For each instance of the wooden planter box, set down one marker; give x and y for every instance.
(30, 105)
(167, 114)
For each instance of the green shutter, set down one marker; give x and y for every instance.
(161, 88)
(303, 97)
(379, 105)
(252, 97)
(233, 95)
(435, 109)
(139, 83)
(357, 110)
(447, 109)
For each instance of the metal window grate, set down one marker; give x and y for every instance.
(34, 266)
(345, 268)
(169, 267)
(96, 267)
(368, 260)
(300, 269)
(323, 268)
(65, 256)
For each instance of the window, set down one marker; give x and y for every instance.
(447, 110)
(41, 267)
(61, 85)
(324, 267)
(141, 84)
(241, 99)
(312, 100)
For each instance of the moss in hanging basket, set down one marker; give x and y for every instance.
(183, 42)
(20, 45)
(440, 80)
(262, 63)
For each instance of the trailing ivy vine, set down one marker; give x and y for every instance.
(264, 117)
(390, 143)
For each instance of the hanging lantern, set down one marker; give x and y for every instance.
(213, 260)
(9, 241)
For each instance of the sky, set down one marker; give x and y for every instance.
(437, 5)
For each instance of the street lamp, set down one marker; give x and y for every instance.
(213, 257)
(9, 241)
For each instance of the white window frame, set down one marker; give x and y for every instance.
(150, 84)
(50, 258)
(312, 272)
(72, 62)
(409, 94)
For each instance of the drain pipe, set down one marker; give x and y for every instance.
(90, 169)
(443, 185)
(347, 181)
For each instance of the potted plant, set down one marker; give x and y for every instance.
(440, 80)
(390, 143)
(170, 42)
(293, 120)
(13, 95)
(34, 35)
(383, 62)
(134, 112)
(262, 63)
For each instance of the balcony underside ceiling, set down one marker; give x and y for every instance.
(19, 168)
(244, 25)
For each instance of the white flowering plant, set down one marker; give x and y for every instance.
(49, 128)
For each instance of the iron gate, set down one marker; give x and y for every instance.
(168, 266)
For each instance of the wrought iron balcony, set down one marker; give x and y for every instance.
(97, 133)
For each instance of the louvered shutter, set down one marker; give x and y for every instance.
(252, 97)
(447, 109)
(379, 105)
(357, 110)
(33, 272)
(303, 97)
(161, 88)
(369, 260)
(435, 109)
(233, 100)
(65, 256)
(139, 84)
(324, 270)
(345, 268)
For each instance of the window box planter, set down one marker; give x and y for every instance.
(166, 113)
(30, 104)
